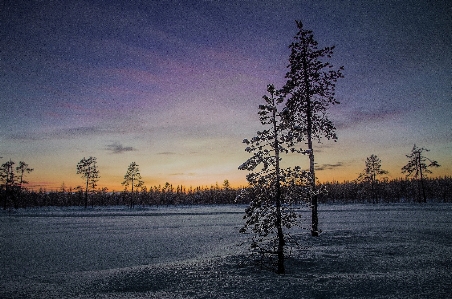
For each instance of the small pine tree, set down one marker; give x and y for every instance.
(418, 166)
(88, 169)
(21, 170)
(370, 174)
(132, 178)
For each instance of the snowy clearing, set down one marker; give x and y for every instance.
(365, 251)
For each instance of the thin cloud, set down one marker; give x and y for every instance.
(118, 148)
(65, 133)
(166, 153)
(329, 166)
(356, 116)
(183, 174)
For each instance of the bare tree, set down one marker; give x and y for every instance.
(370, 174)
(88, 169)
(311, 83)
(272, 190)
(132, 178)
(418, 166)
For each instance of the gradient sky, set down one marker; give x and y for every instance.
(175, 85)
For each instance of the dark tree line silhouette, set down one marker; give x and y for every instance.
(154, 196)
(401, 190)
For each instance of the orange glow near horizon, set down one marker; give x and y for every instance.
(235, 182)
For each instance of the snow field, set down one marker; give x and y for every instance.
(365, 251)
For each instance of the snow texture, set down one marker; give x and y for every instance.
(365, 251)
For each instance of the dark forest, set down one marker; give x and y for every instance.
(386, 191)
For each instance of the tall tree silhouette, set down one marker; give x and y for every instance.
(418, 166)
(132, 178)
(272, 190)
(9, 182)
(311, 82)
(88, 169)
(21, 170)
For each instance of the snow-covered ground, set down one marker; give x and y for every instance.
(365, 251)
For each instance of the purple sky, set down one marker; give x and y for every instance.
(175, 85)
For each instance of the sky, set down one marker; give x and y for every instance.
(175, 85)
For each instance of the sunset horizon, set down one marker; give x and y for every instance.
(175, 86)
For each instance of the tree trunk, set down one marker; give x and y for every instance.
(131, 196)
(86, 193)
(281, 242)
(280, 234)
(314, 204)
(422, 186)
(314, 217)
(373, 182)
(422, 178)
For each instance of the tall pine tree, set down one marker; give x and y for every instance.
(310, 88)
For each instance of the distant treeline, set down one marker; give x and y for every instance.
(390, 191)
(155, 196)
(387, 191)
